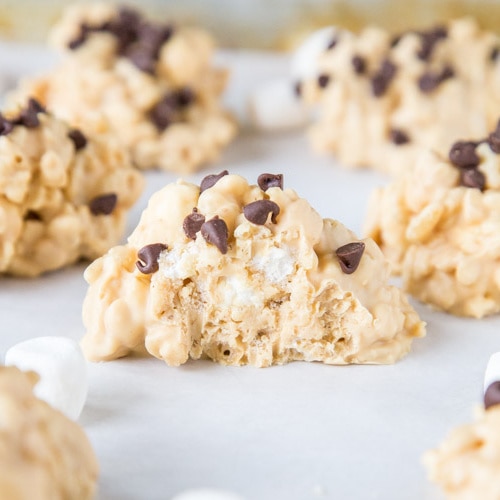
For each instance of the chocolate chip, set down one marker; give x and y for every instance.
(192, 223)
(431, 80)
(383, 77)
(472, 178)
(142, 59)
(258, 211)
(492, 395)
(399, 137)
(79, 140)
(495, 52)
(81, 37)
(297, 89)
(166, 111)
(148, 257)
(104, 204)
(210, 180)
(323, 81)
(154, 36)
(32, 215)
(215, 232)
(333, 42)
(494, 139)
(29, 115)
(350, 255)
(429, 39)
(266, 181)
(463, 154)
(6, 126)
(359, 65)
(396, 39)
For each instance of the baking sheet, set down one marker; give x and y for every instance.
(301, 431)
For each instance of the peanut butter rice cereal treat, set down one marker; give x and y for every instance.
(151, 85)
(43, 454)
(244, 274)
(467, 464)
(382, 99)
(440, 226)
(63, 196)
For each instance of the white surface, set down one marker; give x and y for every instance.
(62, 367)
(301, 431)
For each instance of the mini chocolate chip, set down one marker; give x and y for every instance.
(495, 52)
(333, 42)
(430, 80)
(210, 180)
(258, 211)
(297, 89)
(472, 178)
(192, 223)
(142, 59)
(350, 255)
(266, 181)
(359, 65)
(148, 257)
(6, 126)
(32, 215)
(396, 39)
(165, 112)
(494, 139)
(103, 204)
(323, 81)
(29, 115)
(429, 39)
(492, 395)
(215, 232)
(463, 154)
(79, 140)
(399, 137)
(383, 77)
(81, 37)
(153, 37)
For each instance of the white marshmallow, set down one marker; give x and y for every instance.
(275, 106)
(62, 368)
(207, 494)
(492, 373)
(304, 65)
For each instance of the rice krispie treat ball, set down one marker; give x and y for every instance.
(439, 226)
(244, 274)
(467, 464)
(382, 99)
(43, 454)
(151, 85)
(63, 195)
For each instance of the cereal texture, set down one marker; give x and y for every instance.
(43, 454)
(244, 274)
(467, 464)
(152, 86)
(439, 226)
(62, 196)
(382, 99)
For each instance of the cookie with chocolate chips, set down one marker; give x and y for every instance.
(230, 272)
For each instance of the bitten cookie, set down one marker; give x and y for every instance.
(244, 274)
(439, 227)
(43, 454)
(382, 99)
(63, 196)
(467, 464)
(150, 85)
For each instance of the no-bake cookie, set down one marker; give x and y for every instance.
(43, 454)
(467, 464)
(244, 274)
(440, 224)
(63, 195)
(383, 98)
(151, 85)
